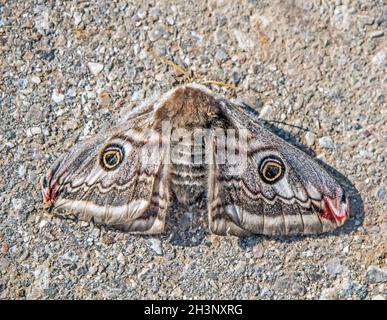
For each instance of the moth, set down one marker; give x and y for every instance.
(191, 144)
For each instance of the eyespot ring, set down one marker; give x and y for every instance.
(111, 157)
(271, 169)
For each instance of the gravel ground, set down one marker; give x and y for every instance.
(70, 70)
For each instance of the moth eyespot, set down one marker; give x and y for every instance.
(271, 169)
(111, 157)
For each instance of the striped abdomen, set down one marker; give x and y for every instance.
(188, 172)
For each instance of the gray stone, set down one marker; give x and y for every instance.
(367, 20)
(156, 33)
(326, 142)
(381, 193)
(258, 250)
(235, 77)
(240, 268)
(18, 204)
(221, 55)
(288, 284)
(266, 292)
(375, 275)
(334, 267)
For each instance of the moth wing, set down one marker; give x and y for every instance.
(306, 200)
(133, 197)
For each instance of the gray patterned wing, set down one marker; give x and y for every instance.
(114, 179)
(278, 189)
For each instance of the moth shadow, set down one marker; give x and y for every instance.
(356, 204)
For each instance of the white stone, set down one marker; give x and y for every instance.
(33, 131)
(71, 92)
(244, 41)
(375, 274)
(266, 111)
(57, 97)
(43, 223)
(36, 130)
(379, 58)
(141, 13)
(143, 54)
(170, 20)
(35, 79)
(17, 204)
(159, 76)
(155, 244)
(377, 34)
(22, 171)
(346, 250)
(59, 112)
(309, 138)
(91, 95)
(308, 254)
(121, 258)
(95, 67)
(136, 48)
(77, 18)
(42, 22)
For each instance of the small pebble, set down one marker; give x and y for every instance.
(57, 97)
(377, 34)
(121, 258)
(156, 33)
(258, 250)
(4, 248)
(367, 20)
(334, 267)
(381, 193)
(379, 58)
(244, 41)
(326, 142)
(155, 245)
(35, 79)
(221, 55)
(309, 138)
(95, 67)
(77, 18)
(375, 275)
(266, 112)
(346, 250)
